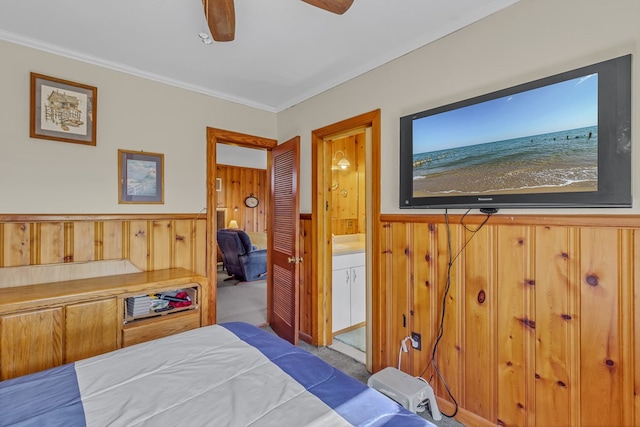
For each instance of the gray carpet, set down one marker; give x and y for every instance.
(241, 301)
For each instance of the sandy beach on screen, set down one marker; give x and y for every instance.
(497, 180)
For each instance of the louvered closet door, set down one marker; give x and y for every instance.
(285, 223)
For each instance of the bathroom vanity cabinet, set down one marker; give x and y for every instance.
(348, 290)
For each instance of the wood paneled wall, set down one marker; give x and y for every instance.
(538, 326)
(306, 312)
(540, 313)
(237, 184)
(150, 242)
(348, 187)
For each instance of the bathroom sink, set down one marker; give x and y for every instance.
(348, 244)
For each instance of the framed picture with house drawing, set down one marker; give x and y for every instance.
(140, 177)
(62, 110)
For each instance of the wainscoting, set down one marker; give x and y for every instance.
(539, 321)
(150, 242)
(539, 327)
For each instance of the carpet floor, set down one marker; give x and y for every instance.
(241, 301)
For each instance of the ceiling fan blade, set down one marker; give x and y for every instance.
(221, 18)
(335, 6)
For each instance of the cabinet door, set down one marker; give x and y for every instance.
(91, 328)
(358, 294)
(30, 342)
(340, 299)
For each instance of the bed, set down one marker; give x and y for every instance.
(232, 374)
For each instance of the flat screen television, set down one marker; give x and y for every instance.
(561, 141)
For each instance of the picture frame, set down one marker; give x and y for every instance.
(62, 110)
(140, 177)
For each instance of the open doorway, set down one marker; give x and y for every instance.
(347, 197)
(283, 254)
(325, 157)
(233, 208)
(242, 208)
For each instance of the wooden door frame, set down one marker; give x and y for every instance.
(321, 245)
(215, 136)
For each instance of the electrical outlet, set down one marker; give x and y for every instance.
(417, 341)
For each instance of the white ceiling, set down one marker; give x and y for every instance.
(285, 51)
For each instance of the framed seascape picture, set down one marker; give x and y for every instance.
(62, 110)
(140, 177)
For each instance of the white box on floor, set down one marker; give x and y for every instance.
(406, 390)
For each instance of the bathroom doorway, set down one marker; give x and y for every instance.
(347, 164)
(324, 158)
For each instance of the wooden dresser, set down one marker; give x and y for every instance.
(49, 324)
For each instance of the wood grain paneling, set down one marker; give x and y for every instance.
(306, 313)
(161, 243)
(237, 184)
(16, 244)
(111, 239)
(381, 305)
(153, 243)
(635, 336)
(449, 299)
(83, 244)
(539, 322)
(398, 312)
(539, 326)
(423, 302)
(183, 244)
(347, 188)
(138, 247)
(479, 373)
(515, 323)
(556, 385)
(51, 237)
(601, 367)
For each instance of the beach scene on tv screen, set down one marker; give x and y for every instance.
(544, 140)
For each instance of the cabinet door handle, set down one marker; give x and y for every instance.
(353, 272)
(346, 276)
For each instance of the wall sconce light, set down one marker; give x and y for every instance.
(343, 163)
(233, 224)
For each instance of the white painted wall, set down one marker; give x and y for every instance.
(41, 176)
(527, 41)
(240, 156)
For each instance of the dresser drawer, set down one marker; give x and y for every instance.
(151, 329)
